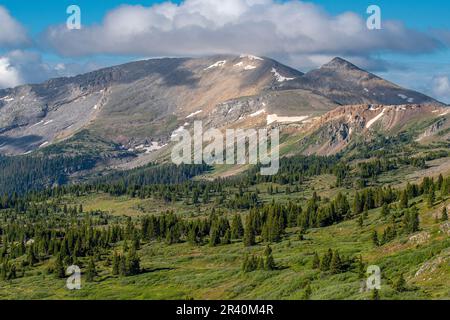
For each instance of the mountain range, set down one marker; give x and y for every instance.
(127, 113)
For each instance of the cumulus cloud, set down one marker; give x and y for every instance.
(441, 87)
(12, 33)
(294, 30)
(9, 76)
(23, 66)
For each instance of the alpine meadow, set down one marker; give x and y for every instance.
(93, 205)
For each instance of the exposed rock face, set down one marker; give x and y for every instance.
(445, 228)
(345, 83)
(138, 101)
(143, 102)
(419, 238)
(430, 266)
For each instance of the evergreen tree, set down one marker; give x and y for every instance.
(316, 261)
(237, 229)
(91, 271)
(307, 293)
(444, 215)
(59, 267)
(360, 221)
(214, 237)
(385, 210)
(375, 294)
(115, 264)
(249, 233)
(227, 237)
(431, 198)
(326, 260)
(375, 240)
(269, 262)
(336, 263)
(133, 263)
(404, 199)
(399, 284)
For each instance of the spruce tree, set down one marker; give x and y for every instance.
(326, 260)
(375, 240)
(91, 270)
(375, 294)
(399, 284)
(316, 261)
(269, 262)
(249, 233)
(336, 263)
(444, 215)
(115, 264)
(59, 267)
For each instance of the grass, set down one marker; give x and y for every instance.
(183, 271)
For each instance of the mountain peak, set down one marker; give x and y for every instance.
(339, 63)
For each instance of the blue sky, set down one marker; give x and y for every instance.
(413, 53)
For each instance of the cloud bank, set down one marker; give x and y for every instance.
(293, 30)
(12, 33)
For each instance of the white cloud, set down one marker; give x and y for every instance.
(21, 66)
(293, 30)
(12, 33)
(9, 76)
(441, 87)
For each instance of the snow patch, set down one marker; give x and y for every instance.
(217, 64)
(251, 57)
(7, 99)
(271, 118)
(154, 146)
(402, 96)
(239, 64)
(257, 113)
(177, 132)
(48, 122)
(371, 122)
(44, 144)
(194, 114)
(249, 67)
(279, 77)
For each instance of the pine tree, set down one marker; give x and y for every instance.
(249, 233)
(214, 237)
(59, 267)
(385, 210)
(91, 270)
(133, 263)
(375, 240)
(307, 293)
(375, 294)
(316, 261)
(444, 215)
(227, 237)
(400, 283)
(326, 260)
(269, 262)
(360, 221)
(237, 229)
(115, 264)
(336, 263)
(431, 198)
(404, 199)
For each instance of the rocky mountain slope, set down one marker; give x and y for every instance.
(140, 104)
(346, 84)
